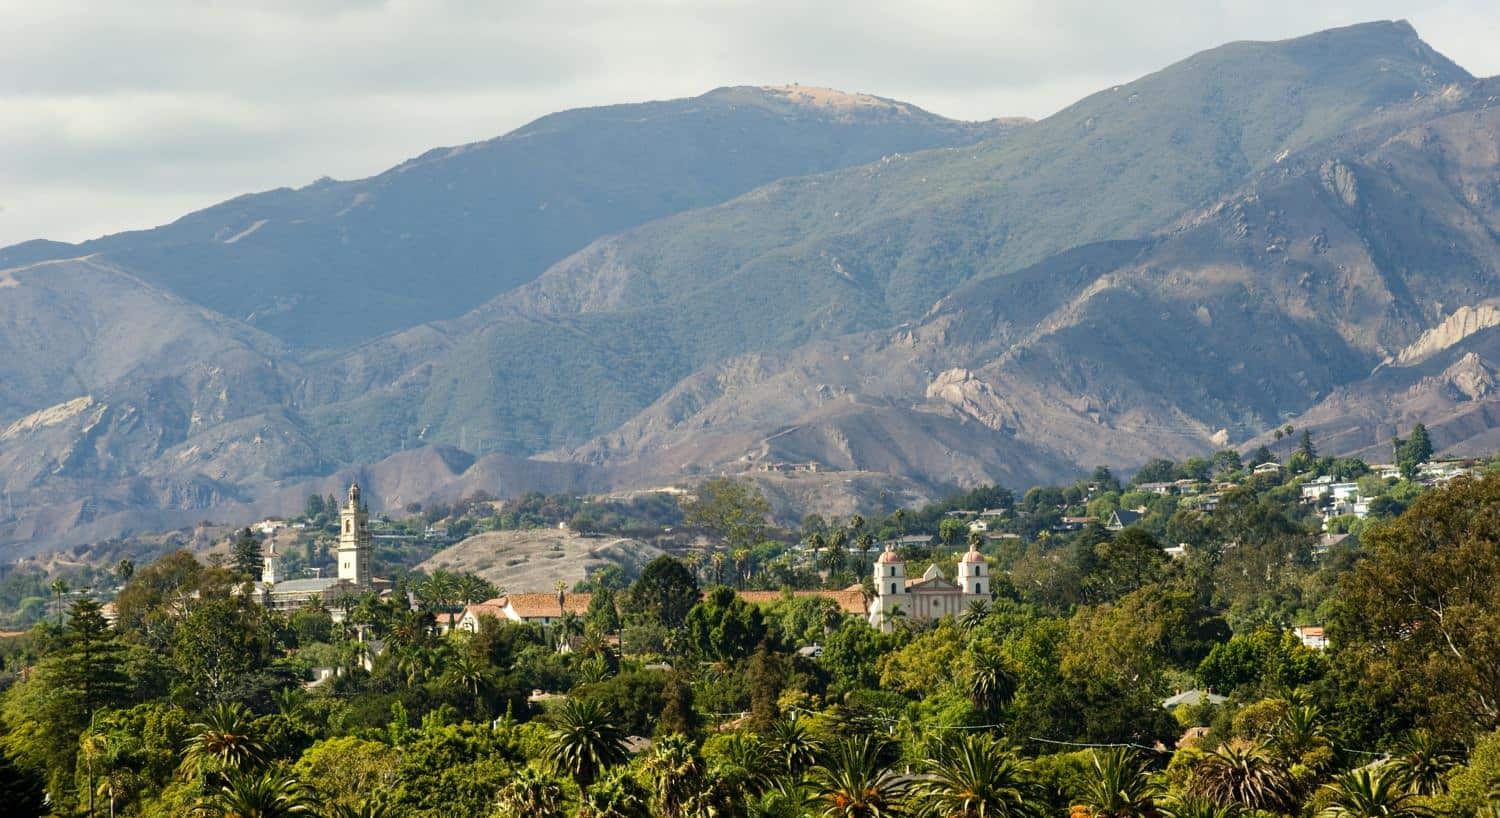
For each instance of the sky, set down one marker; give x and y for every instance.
(117, 116)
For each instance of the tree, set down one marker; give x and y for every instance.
(46, 714)
(674, 774)
(583, 740)
(1305, 446)
(262, 795)
(1246, 775)
(974, 775)
(950, 530)
(724, 627)
(1126, 562)
(791, 746)
(224, 742)
(532, 793)
(856, 783)
(1371, 793)
(346, 771)
(1119, 786)
(602, 615)
(1156, 470)
(245, 555)
(665, 592)
(313, 507)
(733, 510)
(1417, 621)
(1421, 764)
(616, 795)
(59, 590)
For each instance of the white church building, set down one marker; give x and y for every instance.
(929, 598)
(354, 564)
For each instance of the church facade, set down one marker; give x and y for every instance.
(929, 598)
(354, 560)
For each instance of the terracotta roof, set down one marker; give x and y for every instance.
(889, 557)
(494, 607)
(535, 606)
(850, 600)
(973, 556)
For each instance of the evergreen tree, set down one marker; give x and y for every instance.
(46, 713)
(602, 615)
(665, 592)
(245, 556)
(1305, 446)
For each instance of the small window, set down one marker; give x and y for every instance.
(979, 588)
(893, 587)
(979, 570)
(890, 570)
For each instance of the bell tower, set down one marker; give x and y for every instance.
(354, 540)
(890, 588)
(971, 574)
(270, 572)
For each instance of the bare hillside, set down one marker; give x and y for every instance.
(536, 559)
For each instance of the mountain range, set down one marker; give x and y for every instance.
(1304, 232)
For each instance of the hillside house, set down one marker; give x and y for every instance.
(1123, 518)
(1267, 469)
(1156, 488)
(1315, 490)
(1311, 636)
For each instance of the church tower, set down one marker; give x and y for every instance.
(354, 540)
(890, 588)
(270, 572)
(971, 574)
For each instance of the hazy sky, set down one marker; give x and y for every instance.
(120, 115)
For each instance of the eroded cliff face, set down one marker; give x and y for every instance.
(1462, 323)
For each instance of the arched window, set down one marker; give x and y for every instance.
(347, 525)
(979, 570)
(979, 587)
(893, 587)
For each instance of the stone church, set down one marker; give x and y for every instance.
(931, 597)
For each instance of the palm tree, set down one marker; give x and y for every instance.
(263, 795)
(746, 757)
(59, 590)
(1420, 764)
(1300, 732)
(973, 616)
(865, 542)
(468, 673)
(1120, 787)
(674, 773)
(975, 776)
(1243, 774)
(616, 795)
(792, 746)
(439, 592)
(1370, 792)
(815, 543)
(584, 741)
(471, 589)
(224, 742)
(838, 545)
(118, 783)
(991, 682)
(531, 794)
(855, 783)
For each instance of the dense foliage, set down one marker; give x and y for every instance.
(674, 696)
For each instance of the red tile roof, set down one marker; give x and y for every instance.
(536, 606)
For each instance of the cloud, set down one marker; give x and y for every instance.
(123, 115)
